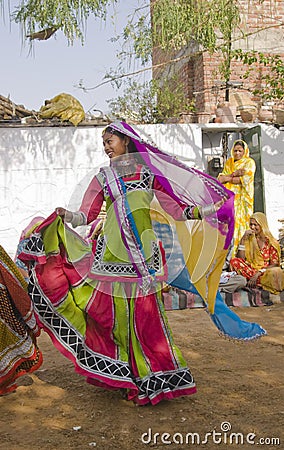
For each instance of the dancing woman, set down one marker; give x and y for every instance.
(101, 300)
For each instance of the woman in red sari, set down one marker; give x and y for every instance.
(258, 256)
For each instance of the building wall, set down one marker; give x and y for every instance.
(39, 170)
(42, 168)
(272, 141)
(200, 74)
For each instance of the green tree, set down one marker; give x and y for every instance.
(45, 16)
(178, 23)
(213, 26)
(172, 26)
(149, 102)
(270, 74)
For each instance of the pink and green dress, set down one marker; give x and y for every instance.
(101, 301)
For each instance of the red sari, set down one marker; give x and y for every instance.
(272, 279)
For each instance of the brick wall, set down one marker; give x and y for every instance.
(199, 73)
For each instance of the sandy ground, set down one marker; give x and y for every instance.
(240, 390)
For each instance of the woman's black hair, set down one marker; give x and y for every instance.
(131, 146)
(241, 143)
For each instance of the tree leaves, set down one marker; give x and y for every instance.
(149, 102)
(67, 15)
(178, 22)
(271, 79)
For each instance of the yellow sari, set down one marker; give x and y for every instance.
(244, 192)
(273, 278)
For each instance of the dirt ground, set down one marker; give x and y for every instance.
(240, 391)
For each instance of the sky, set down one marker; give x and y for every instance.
(29, 78)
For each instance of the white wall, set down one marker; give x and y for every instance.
(272, 157)
(182, 140)
(42, 168)
(39, 169)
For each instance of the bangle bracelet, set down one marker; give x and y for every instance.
(207, 210)
(241, 247)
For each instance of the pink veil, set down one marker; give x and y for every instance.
(204, 244)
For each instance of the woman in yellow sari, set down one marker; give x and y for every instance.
(238, 176)
(258, 256)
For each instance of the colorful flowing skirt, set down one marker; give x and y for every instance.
(115, 336)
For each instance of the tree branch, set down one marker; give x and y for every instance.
(171, 61)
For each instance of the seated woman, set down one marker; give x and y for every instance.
(19, 353)
(258, 256)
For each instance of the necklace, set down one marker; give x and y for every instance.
(260, 241)
(125, 166)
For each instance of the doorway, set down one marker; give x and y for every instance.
(252, 136)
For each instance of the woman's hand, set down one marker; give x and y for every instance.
(64, 214)
(218, 204)
(225, 178)
(208, 210)
(245, 236)
(253, 280)
(247, 233)
(239, 173)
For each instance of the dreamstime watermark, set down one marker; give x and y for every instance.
(224, 436)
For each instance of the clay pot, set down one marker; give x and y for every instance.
(187, 117)
(278, 115)
(248, 113)
(226, 113)
(203, 117)
(265, 114)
